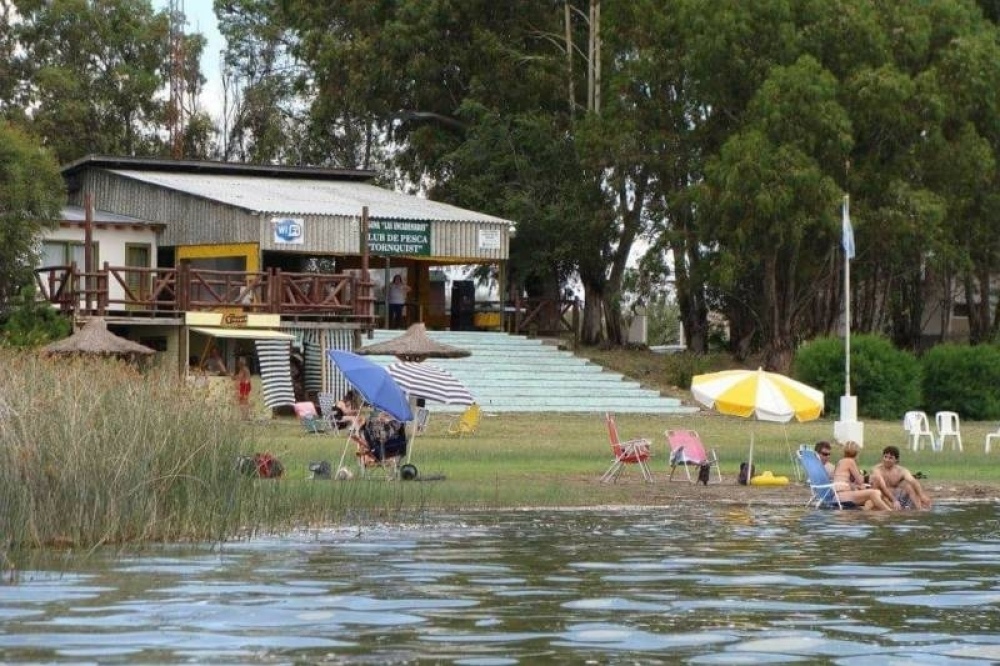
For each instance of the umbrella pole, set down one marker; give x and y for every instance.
(791, 455)
(750, 461)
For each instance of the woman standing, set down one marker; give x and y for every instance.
(396, 296)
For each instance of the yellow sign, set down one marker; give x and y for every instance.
(233, 320)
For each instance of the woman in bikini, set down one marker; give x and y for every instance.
(850, 483)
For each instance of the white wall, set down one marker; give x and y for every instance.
(111, 244)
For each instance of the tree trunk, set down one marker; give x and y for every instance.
(593, 329)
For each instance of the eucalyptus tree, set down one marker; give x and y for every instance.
(470, 101)
(964, 170)
(93, 75)
(264, 117)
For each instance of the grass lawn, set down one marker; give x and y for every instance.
(556, 460)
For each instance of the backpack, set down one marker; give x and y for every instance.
(744, 478)
(268, 467)
(262, 465)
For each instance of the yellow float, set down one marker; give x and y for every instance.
(768, 479)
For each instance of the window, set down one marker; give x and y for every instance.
(137, 256)
(63, 253)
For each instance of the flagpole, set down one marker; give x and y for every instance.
(847, 308)
(847, 427)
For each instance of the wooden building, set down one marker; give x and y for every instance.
(312, 247)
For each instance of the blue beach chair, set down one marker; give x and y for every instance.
(824, 495)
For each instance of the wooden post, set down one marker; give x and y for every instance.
(88, 242)
(367, 303)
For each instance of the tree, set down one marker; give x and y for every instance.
(31, 200)
(93, 74)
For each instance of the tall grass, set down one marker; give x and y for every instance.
(93, 452)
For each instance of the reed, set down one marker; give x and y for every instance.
(93, 452)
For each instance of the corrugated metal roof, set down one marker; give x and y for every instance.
(280, 196)
(78, 214)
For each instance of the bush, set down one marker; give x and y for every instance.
(963, 379)
(886, 381)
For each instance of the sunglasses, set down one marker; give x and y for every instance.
(824, 453)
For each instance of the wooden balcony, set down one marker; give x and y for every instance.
(169, 292)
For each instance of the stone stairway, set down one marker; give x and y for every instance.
(510, 373)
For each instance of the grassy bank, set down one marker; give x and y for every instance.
(92, 452)
(556, 459)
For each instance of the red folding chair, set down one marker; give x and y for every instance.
(632, 452)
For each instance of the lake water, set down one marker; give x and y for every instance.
(714, 584)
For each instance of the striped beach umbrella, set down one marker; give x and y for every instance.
(423, 380)
(766, 396)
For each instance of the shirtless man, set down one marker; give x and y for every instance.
(897, 484)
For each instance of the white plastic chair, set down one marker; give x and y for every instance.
(990, 437)
(947, 426)
(917, 426)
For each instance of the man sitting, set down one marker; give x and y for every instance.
(823, 450)
(897, 484)
(381, 438)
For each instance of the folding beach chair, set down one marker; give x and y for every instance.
(310, 420)
(381, 444)
(824, 495)
(632, 452)
(467, 423)
(327, 402)
(687, 451)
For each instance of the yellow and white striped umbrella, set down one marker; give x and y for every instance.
(768, 396)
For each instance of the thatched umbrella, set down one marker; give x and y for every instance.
(95, 339)
(414, 346)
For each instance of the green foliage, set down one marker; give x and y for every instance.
(885, 380)
(963, 379)
(31, 323)
(680, 368)
(31, 199)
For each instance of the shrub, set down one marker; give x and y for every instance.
(963, 379)
(886, 381)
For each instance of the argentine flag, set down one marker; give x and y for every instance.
(848, 232)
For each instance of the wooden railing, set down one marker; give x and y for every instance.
(547, 316)
(171, 291)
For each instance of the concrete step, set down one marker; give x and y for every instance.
(509, 373)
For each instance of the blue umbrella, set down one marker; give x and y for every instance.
(373, 382)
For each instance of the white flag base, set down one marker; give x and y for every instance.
(849, 428)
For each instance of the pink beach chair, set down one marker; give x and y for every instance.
(687, 450)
